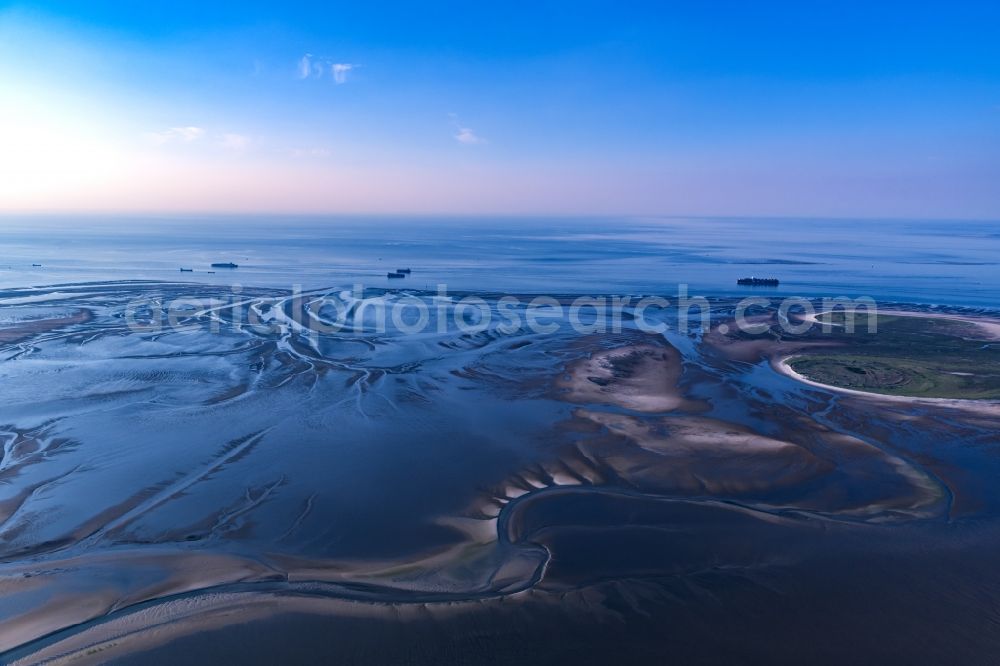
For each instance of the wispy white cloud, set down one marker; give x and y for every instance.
(340, 70)
(305, 66)
(465, 135)
(234, 141)
(177, 134)
(316, 67)
(310, 152)
(191, 134)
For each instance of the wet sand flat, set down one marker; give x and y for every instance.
(228, 492)
(639, 377)
(26, 330)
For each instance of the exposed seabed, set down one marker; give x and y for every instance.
(216, 489)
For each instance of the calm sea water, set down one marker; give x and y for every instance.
(912, 261)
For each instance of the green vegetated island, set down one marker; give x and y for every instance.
(913, 356)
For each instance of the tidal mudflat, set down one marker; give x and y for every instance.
(221, 490)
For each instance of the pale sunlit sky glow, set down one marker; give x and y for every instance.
(726, 108)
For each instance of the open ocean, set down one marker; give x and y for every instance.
(925, 262)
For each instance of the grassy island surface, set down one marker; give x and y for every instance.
(926, 357)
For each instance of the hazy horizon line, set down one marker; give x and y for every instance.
(332, 215)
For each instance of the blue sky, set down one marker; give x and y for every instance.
(697, 108)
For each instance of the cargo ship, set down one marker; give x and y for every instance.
(757, 282)
(225, 265)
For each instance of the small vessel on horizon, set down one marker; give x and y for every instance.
(397, 275)
(757, 282)
(227, 264)
(187, 270)
(405, 271)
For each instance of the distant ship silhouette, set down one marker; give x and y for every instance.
(757, 282)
